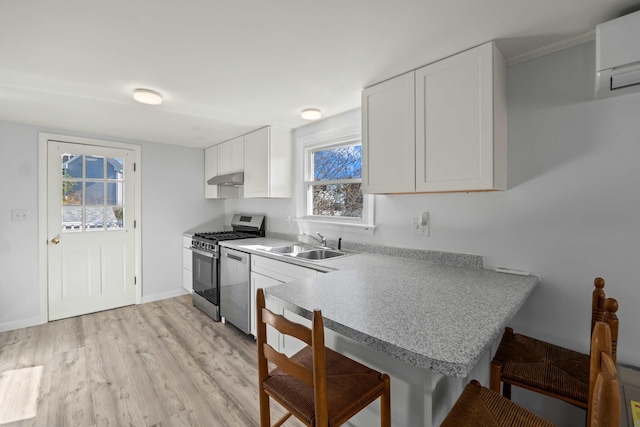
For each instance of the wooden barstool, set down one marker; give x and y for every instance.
(547, 368)
(317, 385)
(481, 406)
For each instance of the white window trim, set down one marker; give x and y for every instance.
(365, 225)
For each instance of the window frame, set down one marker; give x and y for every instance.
(306, 183)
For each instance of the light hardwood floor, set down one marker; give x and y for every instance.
(157, 364)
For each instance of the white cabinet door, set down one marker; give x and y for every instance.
(210, 170)
(231, 156)
(268, 164)
(388, 136)
(256, 174)
(455, 123)
(224, 157)
(237, 154)
(259, 281)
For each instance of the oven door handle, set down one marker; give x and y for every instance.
(206, 254)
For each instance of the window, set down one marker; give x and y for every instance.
(92, 193)
(333, 182)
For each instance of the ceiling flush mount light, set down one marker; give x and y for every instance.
(147, 96)
(311, 114)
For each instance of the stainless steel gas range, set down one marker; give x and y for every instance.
(206, 260)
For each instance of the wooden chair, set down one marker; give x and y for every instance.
(547, 368)
(481, 406)
(317, 385)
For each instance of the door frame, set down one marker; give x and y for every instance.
(43, 236)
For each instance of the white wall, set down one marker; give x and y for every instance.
(572, 211)
(172, 202)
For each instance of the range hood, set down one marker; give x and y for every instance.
(231, 179)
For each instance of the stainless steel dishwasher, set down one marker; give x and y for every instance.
(235, 288)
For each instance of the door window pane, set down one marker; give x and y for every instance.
(72, 165)
(115, 193)
(72, 193)
(71, 219)
(95, 193)
(115, 168)
(115, 218)
(94, 167)
(95, 219)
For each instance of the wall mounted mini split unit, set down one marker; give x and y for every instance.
(618, 56)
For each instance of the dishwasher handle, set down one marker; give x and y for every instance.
(235, 257)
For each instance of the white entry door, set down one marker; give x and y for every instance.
(90, 227)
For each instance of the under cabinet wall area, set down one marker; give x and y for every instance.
(440, 128)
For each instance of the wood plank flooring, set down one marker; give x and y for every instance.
(163, 363)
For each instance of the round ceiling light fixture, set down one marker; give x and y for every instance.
(311, 114)
(147, 96)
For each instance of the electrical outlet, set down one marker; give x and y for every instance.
(287, 220)
(19, 215)
(420, 226)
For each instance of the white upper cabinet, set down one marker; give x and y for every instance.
(268, 164)
(388, 136)
(231, 156)
(460, 126)
(210, 170)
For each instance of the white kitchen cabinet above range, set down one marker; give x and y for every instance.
(211, 170)
(265, 156)
(440, 128)
(231, 156)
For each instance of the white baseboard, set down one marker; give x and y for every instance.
(164, 295)
(19, 324)
(34, 321)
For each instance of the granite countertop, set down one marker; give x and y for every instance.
(438, 317)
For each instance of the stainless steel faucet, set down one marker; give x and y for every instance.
(322, 240)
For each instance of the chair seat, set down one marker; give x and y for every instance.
(547, 367)
(482, 407)
(350, 387)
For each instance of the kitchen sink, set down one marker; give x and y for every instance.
(305, 252)
(290, 249)
(319, 254)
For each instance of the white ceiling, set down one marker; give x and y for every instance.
(228, 67)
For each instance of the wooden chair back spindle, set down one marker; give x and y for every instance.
(611, 318)
(597, 302)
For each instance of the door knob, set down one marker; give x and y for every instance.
(55, 240)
